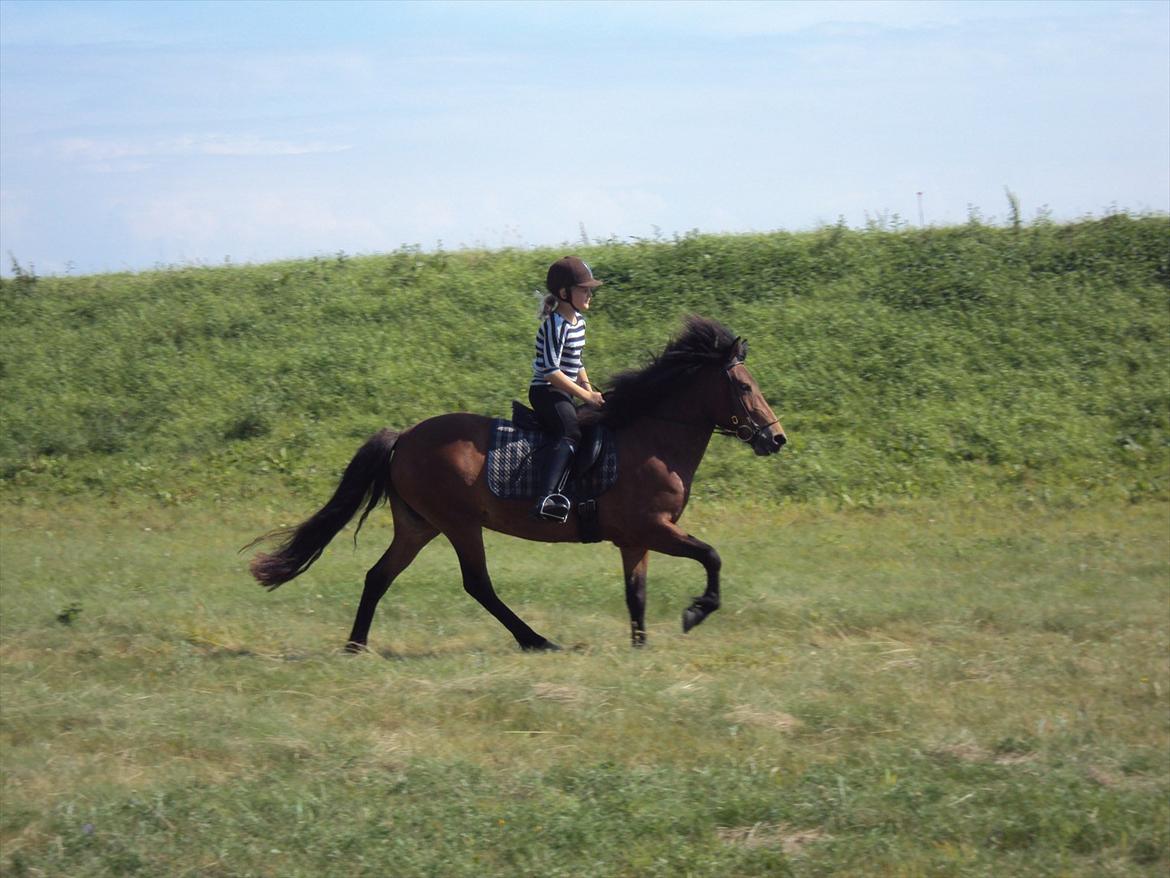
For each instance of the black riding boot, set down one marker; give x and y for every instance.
(554, 505)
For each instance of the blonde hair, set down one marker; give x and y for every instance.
(548, 305)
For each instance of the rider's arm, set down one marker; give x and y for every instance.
(562, 382)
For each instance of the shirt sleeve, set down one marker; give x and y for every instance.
(554, 345)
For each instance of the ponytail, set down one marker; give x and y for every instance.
(547, 306)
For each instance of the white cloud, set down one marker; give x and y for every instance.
(763, 18)
(262, 220)
(89, 149)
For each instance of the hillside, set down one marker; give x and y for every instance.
(941, 362)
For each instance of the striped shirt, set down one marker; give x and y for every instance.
(558, 346)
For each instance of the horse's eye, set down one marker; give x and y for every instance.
(746, 388)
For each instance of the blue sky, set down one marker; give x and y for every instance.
(170, 133)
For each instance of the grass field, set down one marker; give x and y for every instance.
(944, 648)
(934, 689)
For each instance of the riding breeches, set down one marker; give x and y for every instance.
(556, 412)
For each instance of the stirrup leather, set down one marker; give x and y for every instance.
(555, 507)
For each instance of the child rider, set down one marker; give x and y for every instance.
(558, 376)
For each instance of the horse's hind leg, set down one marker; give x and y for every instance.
(411, 533)
(468, 545)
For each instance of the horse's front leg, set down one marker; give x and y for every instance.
(671, 540)
(634, 563)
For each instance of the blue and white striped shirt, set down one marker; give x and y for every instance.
(558, 346)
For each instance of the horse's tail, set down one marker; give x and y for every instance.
(366, 480)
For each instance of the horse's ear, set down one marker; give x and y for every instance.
(739, 351)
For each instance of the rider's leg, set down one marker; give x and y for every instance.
(559, 417)
(553, 504)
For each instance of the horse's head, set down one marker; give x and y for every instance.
(701, 375)
(745, 413)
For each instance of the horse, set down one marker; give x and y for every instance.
(433, 476)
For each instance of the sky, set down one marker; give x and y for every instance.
(135, 135)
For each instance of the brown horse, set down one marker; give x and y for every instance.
(433, 475)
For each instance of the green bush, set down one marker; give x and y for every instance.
(902, 362)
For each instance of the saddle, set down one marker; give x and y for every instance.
(593, 438)
(517, 447)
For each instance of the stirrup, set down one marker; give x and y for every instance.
(554, 507)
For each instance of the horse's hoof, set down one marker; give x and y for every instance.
(354, 648)
(692, 616)
(543, 646)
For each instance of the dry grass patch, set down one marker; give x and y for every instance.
(558, 692)
(746, 715)
(973, 753)
(772, 835)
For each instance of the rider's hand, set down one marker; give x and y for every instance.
(596, 399)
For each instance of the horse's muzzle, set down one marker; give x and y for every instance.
(764, 443)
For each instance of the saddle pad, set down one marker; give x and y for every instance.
(511, 475)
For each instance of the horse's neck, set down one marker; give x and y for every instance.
(671, 438)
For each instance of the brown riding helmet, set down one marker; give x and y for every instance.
(570, 271)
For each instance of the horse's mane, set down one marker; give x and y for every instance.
(631, 394)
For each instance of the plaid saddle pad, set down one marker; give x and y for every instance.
(513, 453)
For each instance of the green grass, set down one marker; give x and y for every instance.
(943, 645)
(933, 689)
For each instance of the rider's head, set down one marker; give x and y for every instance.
(568, 272)
(569, 280)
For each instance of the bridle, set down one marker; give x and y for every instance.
(743, 426)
